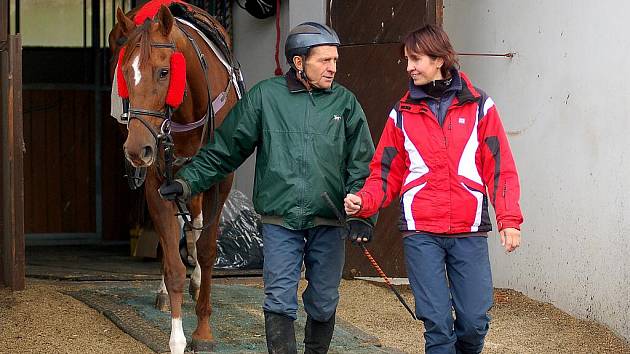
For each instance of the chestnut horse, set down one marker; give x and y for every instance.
(176, 89)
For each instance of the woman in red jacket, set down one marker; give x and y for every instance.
(445, 153)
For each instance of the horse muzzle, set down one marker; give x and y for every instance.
(143, 156)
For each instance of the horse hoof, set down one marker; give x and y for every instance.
(162, 302)
(202, 346)
(193, 290)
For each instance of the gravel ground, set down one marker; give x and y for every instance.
(42, 320)
(519, 324)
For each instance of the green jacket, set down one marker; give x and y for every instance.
(307, 143)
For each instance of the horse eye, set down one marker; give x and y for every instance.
(163, 73)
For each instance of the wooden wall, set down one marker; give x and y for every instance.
(122, 207)
(12, 253)
(59, 161)
(4, 34)
(62, 131)
(59, 166)
(370, 65)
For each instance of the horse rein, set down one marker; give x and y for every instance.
(164, 138)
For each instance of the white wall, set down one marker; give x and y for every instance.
(254, 46)
(565, 102)
(306, 10)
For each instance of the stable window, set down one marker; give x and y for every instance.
(59, 23)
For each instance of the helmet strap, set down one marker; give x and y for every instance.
(301, 74)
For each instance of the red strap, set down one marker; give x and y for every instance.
(120, 78)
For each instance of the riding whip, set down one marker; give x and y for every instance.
(369, 256)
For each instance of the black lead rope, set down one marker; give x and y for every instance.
(182, 210)
(167, 141)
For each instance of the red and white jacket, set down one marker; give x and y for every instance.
(444, 175)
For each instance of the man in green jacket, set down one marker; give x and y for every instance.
(311, 136)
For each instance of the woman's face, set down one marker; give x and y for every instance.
(422, 68)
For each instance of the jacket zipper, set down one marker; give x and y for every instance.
(302, 164)
(450, 216)
(448, 127)
(504, 191)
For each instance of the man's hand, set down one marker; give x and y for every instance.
(510, 238)
(352, 204)
(177, 189)
(359, 230)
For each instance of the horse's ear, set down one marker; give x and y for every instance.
(126, 24)
(166, 20)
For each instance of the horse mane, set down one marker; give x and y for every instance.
(139, 37)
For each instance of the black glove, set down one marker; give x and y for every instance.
(359, 230)
(177, 189)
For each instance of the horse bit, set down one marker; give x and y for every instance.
(164, 137)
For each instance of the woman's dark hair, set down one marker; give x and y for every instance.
(432, 41)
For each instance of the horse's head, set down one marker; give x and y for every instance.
(151, 74)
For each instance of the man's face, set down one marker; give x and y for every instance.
(321, 65)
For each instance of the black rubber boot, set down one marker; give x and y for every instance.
(317, 335)
(280, 334)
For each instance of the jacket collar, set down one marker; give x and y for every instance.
(295, 86)
(417, 93)
(461, 86)
(468, 92)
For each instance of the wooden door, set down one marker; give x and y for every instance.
(12, 262)
(370, 65)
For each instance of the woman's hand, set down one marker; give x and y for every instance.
(510, 238)
(352, 204)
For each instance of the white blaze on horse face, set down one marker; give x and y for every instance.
(136, 70)
(177, 342)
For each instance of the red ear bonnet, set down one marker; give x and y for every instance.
(120, 78)
(176, 86)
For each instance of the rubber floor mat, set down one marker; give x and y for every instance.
(237, 319)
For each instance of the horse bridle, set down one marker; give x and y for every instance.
(130, 113)
(164, 138)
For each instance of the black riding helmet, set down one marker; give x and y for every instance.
(306, 36)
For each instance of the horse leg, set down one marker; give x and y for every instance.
(161, 298)
(206, 254)
(167, 226)
(174, 278)
(195, 278)
(192, 236)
